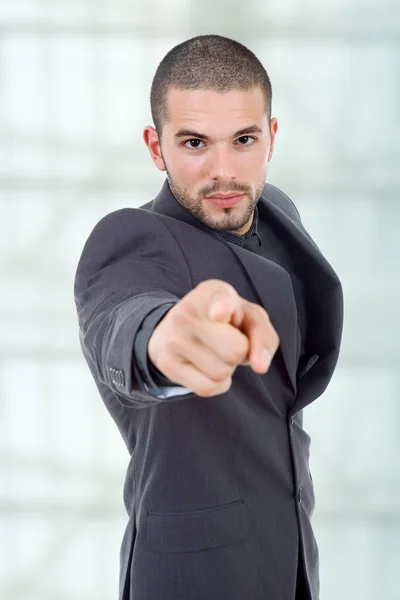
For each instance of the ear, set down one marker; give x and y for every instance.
(274, 130)
(151, 140)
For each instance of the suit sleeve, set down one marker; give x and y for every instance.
(130, 265)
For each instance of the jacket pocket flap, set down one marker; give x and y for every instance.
(198, 529)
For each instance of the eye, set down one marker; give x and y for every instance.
(191, 142)
(246, 138)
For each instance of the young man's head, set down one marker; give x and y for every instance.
(214, 136)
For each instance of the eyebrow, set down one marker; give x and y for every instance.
(195, 134)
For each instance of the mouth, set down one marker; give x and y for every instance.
(225, 200)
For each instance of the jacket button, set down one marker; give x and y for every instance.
(292, 421)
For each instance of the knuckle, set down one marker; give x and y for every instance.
(216, 282)
(181, 315)
(273, 342)
(228, 287)
(239, 351)
(227, 384)
(206, 285)
(213, 388)
(259, 312)
(262, 312)
(207, 282)
(222, 373)
(172, 346)
(206, 390)
(274, 337)
(235, 357)
(217, 287)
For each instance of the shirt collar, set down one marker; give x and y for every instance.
(239, 239)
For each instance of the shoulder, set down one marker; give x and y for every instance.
(281, 200)
(123, 232)
(124, 220)
(122, 225)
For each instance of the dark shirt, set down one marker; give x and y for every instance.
(260, 239)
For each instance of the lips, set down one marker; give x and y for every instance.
(226, 201)
(225, 196)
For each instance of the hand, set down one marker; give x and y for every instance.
(203, 338)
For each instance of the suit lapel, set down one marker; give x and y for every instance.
(323, 291)
(309, 258)
(273, 286)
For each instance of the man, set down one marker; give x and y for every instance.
(209, 319)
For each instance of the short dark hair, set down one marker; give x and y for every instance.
(207, 62)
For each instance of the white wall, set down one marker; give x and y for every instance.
(74, 97)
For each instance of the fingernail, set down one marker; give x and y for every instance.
(266, 358)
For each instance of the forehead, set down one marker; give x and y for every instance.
(215, 109)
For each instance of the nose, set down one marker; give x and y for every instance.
(222, 164)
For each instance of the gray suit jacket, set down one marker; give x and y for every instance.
(218, 490)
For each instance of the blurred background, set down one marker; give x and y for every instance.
(75, 80)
